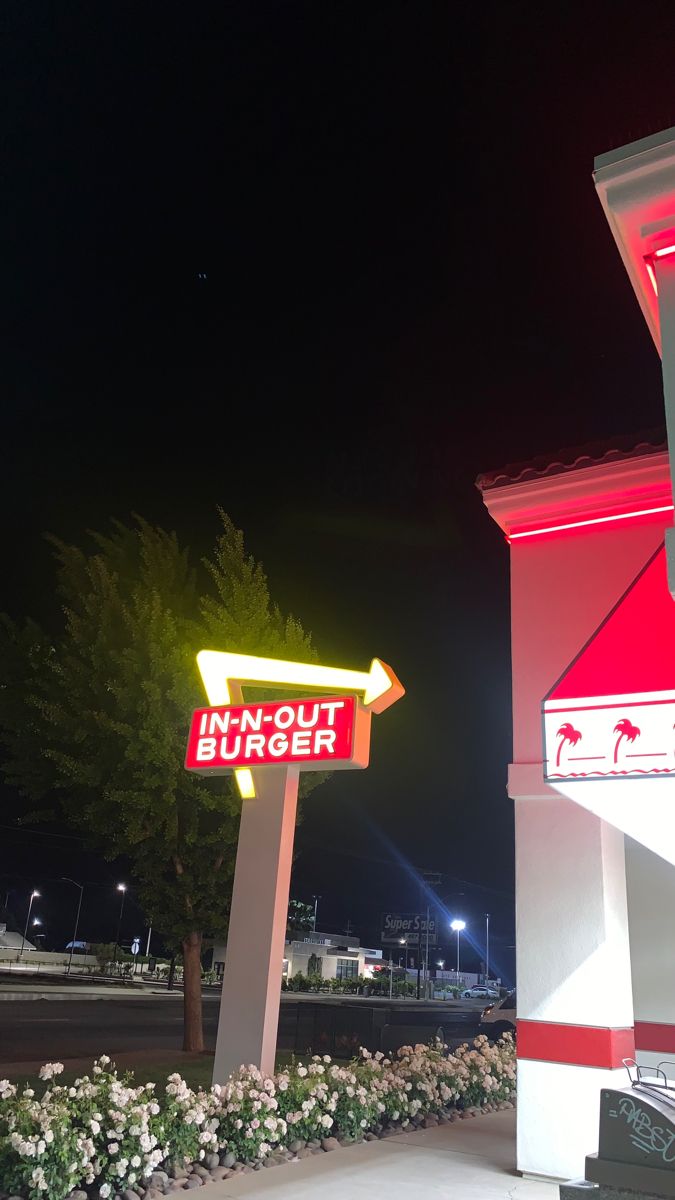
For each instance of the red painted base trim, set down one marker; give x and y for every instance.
(575, 1045)
(649, 1035)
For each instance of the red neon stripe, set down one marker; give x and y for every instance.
(621, 704)
(575, 1045)
(643, 512)
(651, 1036)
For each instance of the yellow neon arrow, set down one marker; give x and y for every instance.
(222, 674)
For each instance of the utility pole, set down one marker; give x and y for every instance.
(426, 961)
(77, 918)
(487, 947)
(427, 879)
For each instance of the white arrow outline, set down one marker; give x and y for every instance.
(223, 674)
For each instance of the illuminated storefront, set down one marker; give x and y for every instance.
(593, 771)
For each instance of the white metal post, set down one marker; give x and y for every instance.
(249, 1007)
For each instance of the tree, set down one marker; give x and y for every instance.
(566, 733)
(627, 730)
(300, 918)
(94, 716)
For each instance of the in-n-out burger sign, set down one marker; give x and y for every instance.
(330, 732)
(327, 731)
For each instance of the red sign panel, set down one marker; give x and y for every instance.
(326, 733)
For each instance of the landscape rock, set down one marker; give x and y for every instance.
(270, 1161)
(330, 1143)
(314, 1144)
(177, 1171)
(370, 1137)
(228, 1160)
(78, 1194)
(211, 1161)
(430, 1122)
(129, 1194)
(305, 1152)
(296, 1145)
(193, 1181)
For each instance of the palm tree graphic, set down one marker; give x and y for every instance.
(566, 733)
(627, 730)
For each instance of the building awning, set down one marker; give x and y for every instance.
(609, 721)
(612, 713)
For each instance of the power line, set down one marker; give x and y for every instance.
(70, 837)
(392, 862)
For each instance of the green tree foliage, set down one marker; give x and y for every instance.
(300, 918)
(94, 716)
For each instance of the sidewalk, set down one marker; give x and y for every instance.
(84, 991)
(467, 1160)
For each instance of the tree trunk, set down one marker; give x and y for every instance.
(193, 1032)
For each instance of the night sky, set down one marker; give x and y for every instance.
(322, 264)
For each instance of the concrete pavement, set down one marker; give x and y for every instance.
(467, 1160)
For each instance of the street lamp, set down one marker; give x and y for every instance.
(441, 963)
(457, 926)
(404, 942)
(121, 887)
(316, 909)
(77, 918)
(33, 896)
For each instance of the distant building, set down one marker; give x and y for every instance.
(13, 941)
(331, 955)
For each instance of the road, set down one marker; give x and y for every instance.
(71, 1028)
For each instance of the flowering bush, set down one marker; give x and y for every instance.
(108, 1132)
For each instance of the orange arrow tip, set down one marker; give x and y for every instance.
(384, 687)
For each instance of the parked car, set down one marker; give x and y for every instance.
(498, 1019)
(480, 990)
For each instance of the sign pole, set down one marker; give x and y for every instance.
(249, 1007)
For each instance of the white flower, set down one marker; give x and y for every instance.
(302, 1071)
(95, 1127)
(136, 1161)
(50, 1070)
(104, 1191)
(113, 1148)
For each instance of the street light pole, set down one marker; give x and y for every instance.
(404, 942)
(458, 926)
(121, 887)
(77, 918)
(33, 896)
(487, 947)
(316, 909)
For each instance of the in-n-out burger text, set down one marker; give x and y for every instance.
(307, 732)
